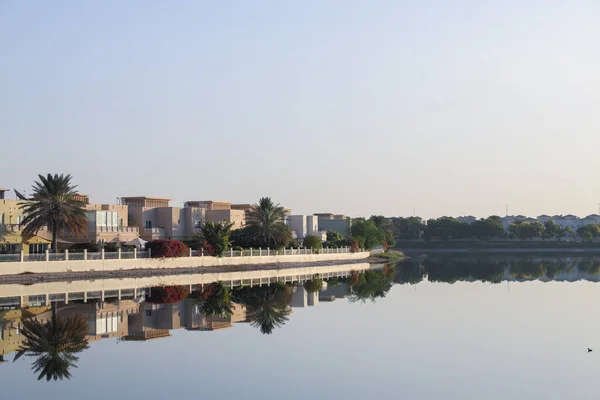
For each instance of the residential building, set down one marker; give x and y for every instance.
(217, 211)
(108, 223)
(304, 225)
(11, 239)
(156, 219)
(334, 222)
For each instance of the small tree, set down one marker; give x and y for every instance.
(587, 236)
(333, 236)
(216, 234)
(312, 242)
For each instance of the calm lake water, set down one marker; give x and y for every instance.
(432, 328)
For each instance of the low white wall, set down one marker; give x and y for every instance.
(9, 290)
(37, 267)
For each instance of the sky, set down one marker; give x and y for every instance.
(353, 107)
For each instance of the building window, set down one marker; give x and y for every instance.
(148, 224)
(148, 313)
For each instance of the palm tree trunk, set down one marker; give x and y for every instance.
(54, 239)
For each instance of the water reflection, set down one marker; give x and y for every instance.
(53, 342)
(55, 333)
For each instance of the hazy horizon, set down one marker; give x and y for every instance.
(340, 106)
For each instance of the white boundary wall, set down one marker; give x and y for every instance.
(38, 267)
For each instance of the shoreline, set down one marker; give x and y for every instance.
(32, 278)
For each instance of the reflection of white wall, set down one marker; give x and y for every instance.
(299, 298)
(313, 298)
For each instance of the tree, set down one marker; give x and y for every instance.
(266, 306)
(243, 237)
(216, 234)
(592, 229)
(266, 223)
(333, 236)
(587, 236)
(54, 206)
(368, 231)
(526, 230)
(551, 229)
(54, 343)
(446, 228)
(487, 227)
(410, 228)
(385, 225)
(215, 299)
(312, 242)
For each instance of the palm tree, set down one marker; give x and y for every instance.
(54, 343)
(216, 234)
(54, 206)
(215, 300)
(267, 306)
(266, 221)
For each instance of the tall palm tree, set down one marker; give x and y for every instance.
(267, 306)
(216, 234)
(266, 221)
(54, 343)
(215, 300)
(53, 205)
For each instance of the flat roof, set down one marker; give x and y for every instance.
(144, 198)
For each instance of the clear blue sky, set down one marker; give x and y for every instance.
(347, 106)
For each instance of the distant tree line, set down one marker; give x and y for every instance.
(447, 228)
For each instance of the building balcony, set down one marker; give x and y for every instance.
(154, 233)
(124, 229)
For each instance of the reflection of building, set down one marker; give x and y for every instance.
(10, 327)
(105, 320)
(182, 314)
(340, 291)
(302, 298)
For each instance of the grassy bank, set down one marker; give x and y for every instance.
(390, 256)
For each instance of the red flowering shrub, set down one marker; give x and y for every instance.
(207, 249)
(167, 294)
(163, 248)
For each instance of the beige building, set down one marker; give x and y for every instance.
(107, 223)
(12, 240)
(157, 219)
(217, 211)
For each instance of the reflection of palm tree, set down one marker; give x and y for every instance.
(54, 343)
(267, 306)
(215, 300)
